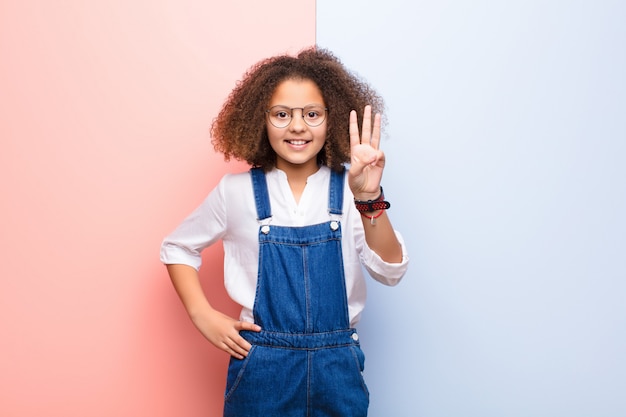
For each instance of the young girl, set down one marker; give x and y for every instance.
(296, 230)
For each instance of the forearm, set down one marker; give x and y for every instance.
(381, 238)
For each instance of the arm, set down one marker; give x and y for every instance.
(366, 170)
(221, 330)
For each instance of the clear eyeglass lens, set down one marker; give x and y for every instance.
(280, 116)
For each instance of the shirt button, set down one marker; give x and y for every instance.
(355, 337)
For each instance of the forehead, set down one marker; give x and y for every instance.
(296, 93)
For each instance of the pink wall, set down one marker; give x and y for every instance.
(104, 115)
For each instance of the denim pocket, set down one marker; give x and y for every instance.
(359, 359)
(236, 369)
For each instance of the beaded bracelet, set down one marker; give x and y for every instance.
(372, 205)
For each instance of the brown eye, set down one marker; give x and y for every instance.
(312, 115)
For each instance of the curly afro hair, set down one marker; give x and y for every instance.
(239, 131)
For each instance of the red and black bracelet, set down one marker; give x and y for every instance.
(372, 205)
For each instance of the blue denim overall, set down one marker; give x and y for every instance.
(306, 361)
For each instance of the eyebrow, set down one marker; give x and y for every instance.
(303, 107)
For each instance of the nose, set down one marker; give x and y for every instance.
(297, 120)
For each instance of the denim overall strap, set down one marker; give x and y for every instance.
(261, 196)
(335, 191)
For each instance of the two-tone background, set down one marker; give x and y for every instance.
(506, 145)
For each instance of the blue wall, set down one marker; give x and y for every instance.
(506, 172)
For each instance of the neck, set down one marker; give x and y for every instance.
(297, 176)
(298, 172)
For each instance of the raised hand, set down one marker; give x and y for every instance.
(367, 160)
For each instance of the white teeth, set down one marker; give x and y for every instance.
(297, 142)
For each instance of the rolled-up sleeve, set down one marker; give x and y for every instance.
(203, 227)
(385, 272)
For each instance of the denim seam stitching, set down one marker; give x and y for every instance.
(307, 291)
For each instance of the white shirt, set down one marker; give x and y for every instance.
(229, 213)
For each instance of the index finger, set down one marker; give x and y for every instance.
(355, 139)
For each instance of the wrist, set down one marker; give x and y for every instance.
(367, 196)
(200, 311)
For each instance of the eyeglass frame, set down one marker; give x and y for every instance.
(302, 112)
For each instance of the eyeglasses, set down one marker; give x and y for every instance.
(280, 116)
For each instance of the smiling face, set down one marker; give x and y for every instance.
(298, 144)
